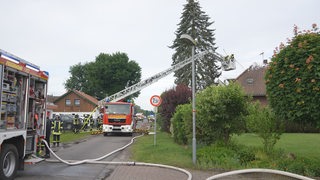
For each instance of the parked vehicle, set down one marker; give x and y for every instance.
(67, 120)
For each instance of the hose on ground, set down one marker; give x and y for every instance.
(97, 160)
(236, 172)
(271, 171)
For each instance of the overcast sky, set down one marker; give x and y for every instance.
(56, 34)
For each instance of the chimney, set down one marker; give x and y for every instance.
(265, 62)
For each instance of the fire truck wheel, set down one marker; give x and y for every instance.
(9, 161)
(105, 134)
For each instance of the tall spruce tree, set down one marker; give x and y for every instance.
(195, 23)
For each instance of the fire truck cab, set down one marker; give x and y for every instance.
(23, 88)
(118, 117)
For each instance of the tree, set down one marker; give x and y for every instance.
(195, 23)
(107, 75)
(78, 78)
(263, 122)
(293, 78)
(171, 98)
(220, 113)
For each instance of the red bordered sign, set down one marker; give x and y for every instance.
(155, 100)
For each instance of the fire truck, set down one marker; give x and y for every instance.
(118, 117)
(23, 112)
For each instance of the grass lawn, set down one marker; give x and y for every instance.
(301, 144)
(170, 153)
(69, 136)
(164, 152)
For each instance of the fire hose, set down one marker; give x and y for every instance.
(98, 161)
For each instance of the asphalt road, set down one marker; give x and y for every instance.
(94, 147)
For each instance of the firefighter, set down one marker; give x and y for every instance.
(56, 129)
(76, 124)
(99, 122)
(91, 122)
(85, 122)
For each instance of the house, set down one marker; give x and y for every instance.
(75, 102)
(253, 83)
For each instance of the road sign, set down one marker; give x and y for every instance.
(155, 100)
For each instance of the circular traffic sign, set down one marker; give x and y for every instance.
(155, 100)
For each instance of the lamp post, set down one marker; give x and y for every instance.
(194, 144)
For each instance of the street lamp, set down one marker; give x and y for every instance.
(194, 151)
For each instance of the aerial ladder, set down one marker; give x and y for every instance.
(227, 64)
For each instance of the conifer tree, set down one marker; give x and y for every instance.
(195, 23)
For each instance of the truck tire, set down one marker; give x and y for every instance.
(9, 161)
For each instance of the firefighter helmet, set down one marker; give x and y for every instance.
(57, 116)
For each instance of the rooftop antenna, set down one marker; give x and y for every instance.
(264, 61)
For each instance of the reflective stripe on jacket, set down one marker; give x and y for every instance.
(56, 127)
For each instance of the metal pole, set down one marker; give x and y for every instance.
(155, 126)
(194, 144)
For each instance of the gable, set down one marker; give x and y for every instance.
(252, 81)
(79, 94)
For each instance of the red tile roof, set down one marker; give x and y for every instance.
(86, 96)
(89, 98)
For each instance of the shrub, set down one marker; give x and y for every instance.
(219, 155)
(171, 98)
(220, 113)
(292, 78)
(216, 156)
(245, 156)
(263, 122)
(182, 116)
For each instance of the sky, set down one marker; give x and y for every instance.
(56, 34)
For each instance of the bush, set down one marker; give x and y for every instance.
(219, 155)
(294, 127)
(245, 156)
(220, 113)
(216, 156)
(292, 78)
(303, 166)
(171, 98)
(179, 120)
(263, 122)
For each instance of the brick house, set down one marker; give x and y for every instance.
(253, 83)
(75, 102)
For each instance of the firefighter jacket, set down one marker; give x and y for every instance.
(56, 127)
(76, 121)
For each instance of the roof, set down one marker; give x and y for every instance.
(85, 96)
(51, 98)
(51, 106)
(252, 81)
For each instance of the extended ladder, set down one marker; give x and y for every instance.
(227, 62)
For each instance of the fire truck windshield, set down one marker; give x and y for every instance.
(118, 109)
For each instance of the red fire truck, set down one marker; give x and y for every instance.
(23, 112)
(118, 117)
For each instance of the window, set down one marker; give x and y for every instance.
(77, 102)
(250, 81)
(68, 102)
